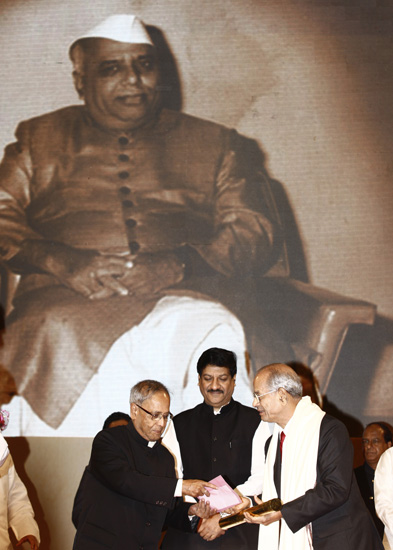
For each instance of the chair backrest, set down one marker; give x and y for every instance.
(358, 457)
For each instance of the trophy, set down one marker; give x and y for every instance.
(273, 505)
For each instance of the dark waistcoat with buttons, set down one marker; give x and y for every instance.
(365, 477)
(213, 445)
(178, 185)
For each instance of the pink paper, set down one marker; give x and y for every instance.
(223, 497)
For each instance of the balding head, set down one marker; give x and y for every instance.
(278, 389)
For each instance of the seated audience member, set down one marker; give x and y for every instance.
(377, 437)
(383, 488)
(116, 419)
(16, 511)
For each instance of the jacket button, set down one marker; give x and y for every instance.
(128, 204)
(214, 459)
(125, 190)
(148, 524)
(130, 223)
(123, 140)
(134, 247)
(124, 175)
(123, 158)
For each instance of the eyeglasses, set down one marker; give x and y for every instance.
(156, 416)
(256, 396)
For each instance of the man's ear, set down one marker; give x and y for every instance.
(282, 394)
(79, 83)
(133, 409)
(389, 444)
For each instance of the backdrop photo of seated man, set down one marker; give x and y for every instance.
(129, 223)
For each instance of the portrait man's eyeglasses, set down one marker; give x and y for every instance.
(157, 416)
(259, 396)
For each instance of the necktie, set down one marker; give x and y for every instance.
(282, 437)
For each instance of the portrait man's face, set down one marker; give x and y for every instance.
(149, 428)
(374, 444)
(120, 83)
(216, 385)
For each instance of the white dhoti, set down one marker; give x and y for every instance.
(165, 346)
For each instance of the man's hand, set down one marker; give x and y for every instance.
(87, 272)
(31, 539)
(209, 529)
(196, 487)
(245, 503)
(96, 276)
(152, 273)
(266, 519)
(201, 509)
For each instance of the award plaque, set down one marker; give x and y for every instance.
(273, 505)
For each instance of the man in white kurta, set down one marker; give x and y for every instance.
(383, 494)
(16, 511)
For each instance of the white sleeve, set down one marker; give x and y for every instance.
(383, 490)
(20, 512)
(171, 443)
(253, 485)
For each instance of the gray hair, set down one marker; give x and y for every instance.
(145, 389)
(283, 376)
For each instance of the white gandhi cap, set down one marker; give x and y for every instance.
(122, 28)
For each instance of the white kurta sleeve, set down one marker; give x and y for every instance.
(383, 492)
(20, 512)
(253, 485)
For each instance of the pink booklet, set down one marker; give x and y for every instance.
(223, 497)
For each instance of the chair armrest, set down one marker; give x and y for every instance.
(313, 320)
(8, 283)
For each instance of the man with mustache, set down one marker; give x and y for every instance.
(129, 223)
(218, 437)
(376, 439)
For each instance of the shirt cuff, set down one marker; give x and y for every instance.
(179, 488)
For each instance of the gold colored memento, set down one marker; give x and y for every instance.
(273, 505)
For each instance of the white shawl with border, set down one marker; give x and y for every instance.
(298, 474)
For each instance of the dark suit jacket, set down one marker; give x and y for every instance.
(365, 477)
(340, 520)
(126, 494)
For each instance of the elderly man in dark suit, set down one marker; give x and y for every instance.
(120, 214)
(128, 490)
(309, 465)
